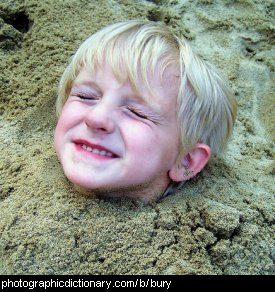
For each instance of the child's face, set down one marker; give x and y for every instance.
(140, 133)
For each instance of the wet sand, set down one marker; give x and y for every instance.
(222, 222)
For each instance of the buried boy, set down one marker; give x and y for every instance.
(139, 112)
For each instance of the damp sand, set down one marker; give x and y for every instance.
(219, 223)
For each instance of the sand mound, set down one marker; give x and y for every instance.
(220, 223)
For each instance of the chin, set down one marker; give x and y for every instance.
(76, 180)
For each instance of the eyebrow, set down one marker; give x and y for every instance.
(86, 83)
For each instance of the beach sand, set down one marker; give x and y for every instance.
(219, 223)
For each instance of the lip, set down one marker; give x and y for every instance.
(80, 142)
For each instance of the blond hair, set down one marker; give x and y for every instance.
(206, 106)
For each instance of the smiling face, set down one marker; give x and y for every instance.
(113, 141)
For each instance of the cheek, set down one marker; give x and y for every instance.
(66, 121)
(58, 135)
(140, 139)
(70, 116)
(63, 124)
(152, 146)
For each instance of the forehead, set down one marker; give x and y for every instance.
(163, 86)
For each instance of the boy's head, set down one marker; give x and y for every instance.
(139, 112)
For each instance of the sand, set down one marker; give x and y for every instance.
(219, 223)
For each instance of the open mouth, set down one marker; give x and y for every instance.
(96, 151)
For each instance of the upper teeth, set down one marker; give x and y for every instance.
(97, 151)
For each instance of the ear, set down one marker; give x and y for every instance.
(191, 164)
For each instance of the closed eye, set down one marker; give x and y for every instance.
(137, 113)
(86, 97)
(155, 118)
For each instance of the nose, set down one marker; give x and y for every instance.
(99, 118)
